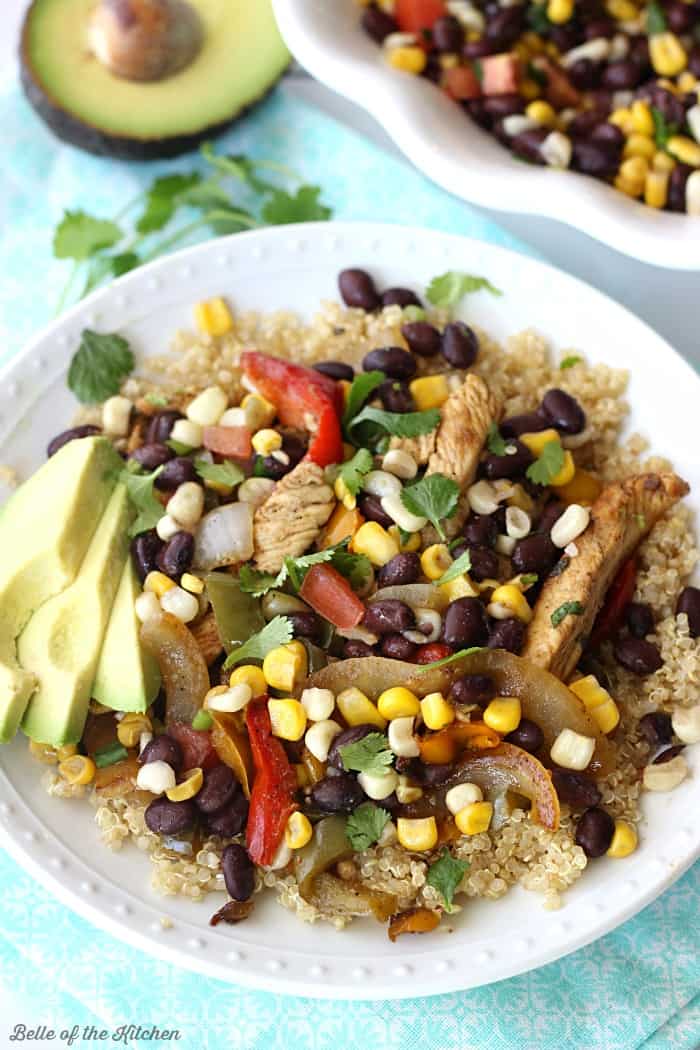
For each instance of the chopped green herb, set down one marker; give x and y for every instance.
(369, 426)
(567, 609)
(79, 235)
(108, 756)
(561, 566)
(434, 497)
(157, 400)
(449, 288)
(356, 568)
(548, 465)
(276, 632)
(99, 365)
(365, 825)
(535, 73)
(162, 200)
(495, 442)
(202, 720)
(537, 18)
(420, 668)
(178, 447)
(663, 129)
(360, 389)
(256, 583)
(303, 206)
(569, 362)
(656, 19)
(370, 755)
(529, 578)
(226, 473)
(478, 68)
(413, 313)
(140, 490)
(445, 875)
(404, 536)
(461, 565)
(352, 472)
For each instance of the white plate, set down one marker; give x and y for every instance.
(295, 267)
(451, 149)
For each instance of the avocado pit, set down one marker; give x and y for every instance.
(145, 40)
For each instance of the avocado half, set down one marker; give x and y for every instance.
(241, 57)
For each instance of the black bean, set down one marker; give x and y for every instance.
(594, 832)
(433, 774)
(152, 455)
(396, 647)
(638, 656)
(219, 788)
(668, 104)
(335, 370)
(389, 616)
(392, 360)
(499, 106)
(484, 562)
(593, 158)
(567, 36)
(448, 34)
(639, 619)
(564, 411)
(676, 187)
(175, 473)
(305, 625)
(162, 748)
(230, 820)
(481, 530)
(507, 634)
(528, 736)
(145, 549)
(161, 426)
(87, 430)
(623, 75)
(508, 466)
(528, 144)
(583, 124)
(689, 603)
(667, 754)
(459, 345)
(396, 396)
(604, 27)
(476, 49)
(465, 623)
(400, 297)
(504, 27)
(357, 289)
(270, 467)
(551, 513)
(656, 727)
(372, 510)
(378, 24)
(575, 789)
(694, 61)
(164, 817)
(527, 423)
(402, 569)
(355, 648)
(239, 872)
(339, 794)
(348, 736)
(679, 17)
(294, 445)
(422, 338)
(177, 554)
(609, 135)
(535, 553)
(473, 689)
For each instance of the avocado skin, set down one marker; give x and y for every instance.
(92, 139)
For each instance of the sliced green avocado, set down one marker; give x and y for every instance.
(62, 641)
(240, 58)
(45, 529)
(127, 677)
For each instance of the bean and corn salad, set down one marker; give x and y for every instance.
(604, 87)
(339, 566)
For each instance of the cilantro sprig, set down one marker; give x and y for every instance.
(140, 490)
(567, 609)
(495, 442)
(446, 660)
(450, 288)
(277, 632)
(365, 825)
(360, 389)
(547, 465)
(99, 365)
(356, 568)
(352, 472)
(371, 424)
(457, 568)
(227, 473)
(434, 497)
(370, 755)
(569, 362)
(445, 875)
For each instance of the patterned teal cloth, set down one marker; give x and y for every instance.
(637, 987)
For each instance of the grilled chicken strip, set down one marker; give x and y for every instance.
(624, 513)
(291, 519)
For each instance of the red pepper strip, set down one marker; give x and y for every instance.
(303, 398)
(330, 594)
(272, 799)
(619, 595)
(416, 15)
(431, 651)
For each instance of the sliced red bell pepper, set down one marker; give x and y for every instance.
(330, 595)
(619, 595)
(196, 744)
(303, 398)
(416, 15)
(432, 651)
(272, 799)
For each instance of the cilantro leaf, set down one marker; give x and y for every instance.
(567, 609)
(140, 490)
(462, 564)
(527, 579)
(256, 583)
(537, 19)
(365, 825)
(656, 19)
(79, 235)
(548, 465)
(303, 206)
(297, 568)
(277, 632)
(162, 200)
(420, 668)
(445, 876)
(240, 167)
(663, 129)
(494, 441)
(449, 288)
(368, 425)
(356, 568)
(434, 497)
(178, 447)
(370, 755)
(361, 388)
(569, 362)
(226, 473)
(99, 364)
(351, 473)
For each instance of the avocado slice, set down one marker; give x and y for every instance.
(235, 63)
(45, 529)
(62, 641)
(127, 676)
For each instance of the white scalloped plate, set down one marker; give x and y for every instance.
(295, 267)
(436, 136)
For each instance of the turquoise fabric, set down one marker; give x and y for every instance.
(637, 987)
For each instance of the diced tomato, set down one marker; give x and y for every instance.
(416, 15)
(330, 595)
(196, 744)
(432, 651)
(619, 595)
(500, 74)
(231, 442)
(461, 83)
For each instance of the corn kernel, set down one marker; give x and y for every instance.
(474, 818)
(375, 542)
(542, 112)
(511, 599)
(418, 834)
(130, 728)
(462, 795)
(298, 831)
(624, 840)
(639, 146)
(213, 317)
(192, 583)
(356, 708)
(343, 493)
(460, 587)
(622, 119)
(187, 788)
(684, 149)
(537, 441)
(630, 187)
(583, 489)
(634, 168)
(667, 54)
(662, 162)
(597, 701)
(45, 753)
(266, 441)
(407, 792)
(437, 712)
(407, 59)
(259, 412)
(249, 674)
(158, 583)
(79, 769)
(572, 750)
(503, 714)
(686, 82)
(529, 88)
(560, 11)
(286, 666)
(642, 120)
(398, 703)
(411, 543)
(622, 10)
(435, 560)
(567, 472)
(288, 718)
(430, 391)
